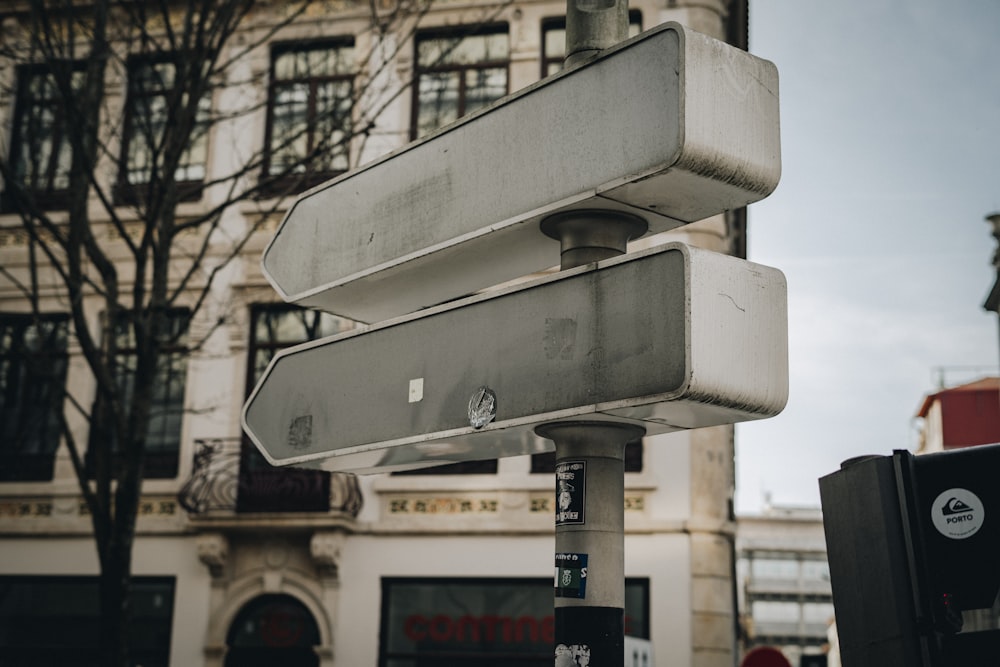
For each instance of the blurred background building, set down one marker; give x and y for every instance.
(784, 582)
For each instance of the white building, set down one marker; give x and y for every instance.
(236, 563)
(784, 583)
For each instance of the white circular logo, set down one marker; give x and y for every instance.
(958, 513)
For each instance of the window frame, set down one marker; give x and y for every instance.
(283, 183)
(27, 107)
(554, 23)
(16, 464)
(459, 34)
(188, 189)
(75, 601)
(394, 590)
(163, 462)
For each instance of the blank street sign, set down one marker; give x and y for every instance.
(672, 125)
(670, 338)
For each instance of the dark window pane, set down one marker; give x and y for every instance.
(273, 621)
(54, 620)
(458, 73)
(152, 107)
(166, 412)
(496, 622)
(439, 100)
(40, 150)
(488, 467)
(554, 40)
(309, 113)
(33, 362)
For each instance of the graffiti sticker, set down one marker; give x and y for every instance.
(571, 492)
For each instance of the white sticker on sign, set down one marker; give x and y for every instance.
(416, 390)
(958, 513)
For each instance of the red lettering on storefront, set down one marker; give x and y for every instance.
(467, 628)
(532, 626)
(413, 628)
(549, 629)
(440, 628)
(488, 628)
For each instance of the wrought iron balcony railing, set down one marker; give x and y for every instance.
(228, 476)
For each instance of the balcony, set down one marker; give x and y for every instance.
(229, 479)
(788, 586)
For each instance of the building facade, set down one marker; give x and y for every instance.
(784, 583)
(237, 563)
(965, 415)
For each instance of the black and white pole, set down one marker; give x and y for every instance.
(590, 541)
(590, 455)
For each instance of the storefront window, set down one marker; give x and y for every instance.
(482, 622)
(55, 621)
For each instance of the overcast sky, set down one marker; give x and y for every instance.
(890, 130)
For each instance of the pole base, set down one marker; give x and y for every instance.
(597, 633)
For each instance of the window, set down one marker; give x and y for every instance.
(309, 113)
(163, 436)
(54, 620)
(40, 152)
(774, 611)
(554, 40)
(262, 487)
(474, 621)
(775, 568)
(277, 326)
(273, 629)
(483, 467)
(816, 570)
(33, 361)
(154, 104)
(456, 74)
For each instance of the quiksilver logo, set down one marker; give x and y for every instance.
(955, 506)
(958, 513)
(955, 511)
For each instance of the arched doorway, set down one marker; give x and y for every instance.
(272, 630)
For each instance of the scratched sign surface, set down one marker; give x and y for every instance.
(671, 338)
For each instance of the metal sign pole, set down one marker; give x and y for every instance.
(590, 483)
(590, 456)
(590, 541)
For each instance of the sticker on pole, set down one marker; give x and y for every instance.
(571, 576)
(958, 514)
(571, 491)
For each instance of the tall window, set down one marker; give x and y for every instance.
(33, 362)
(40, 151)
(309, 111)
(554, 40)
(456, 74)
(262, 487)
(153, 105)
(163, 435)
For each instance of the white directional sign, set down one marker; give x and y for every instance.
(670, 338)
(672, 125)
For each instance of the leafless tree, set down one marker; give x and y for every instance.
(100, 187)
